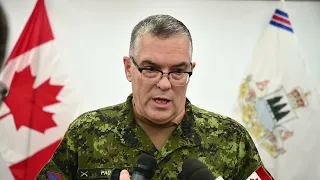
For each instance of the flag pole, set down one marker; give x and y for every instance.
(282, 4)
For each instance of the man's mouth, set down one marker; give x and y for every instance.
(161, 100)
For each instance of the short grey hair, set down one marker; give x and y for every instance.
(161, 26)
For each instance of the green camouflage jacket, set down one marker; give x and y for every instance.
(109, 138)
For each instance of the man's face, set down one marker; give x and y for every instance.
(160, 102)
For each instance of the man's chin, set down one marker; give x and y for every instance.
(160, 118)
(160, 121)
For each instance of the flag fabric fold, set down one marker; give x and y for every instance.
(279, 103)
(41, 101)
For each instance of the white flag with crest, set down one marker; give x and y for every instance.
(279, 104)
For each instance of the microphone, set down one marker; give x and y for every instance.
(144, 168)
(193, 169)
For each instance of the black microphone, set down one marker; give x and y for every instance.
(193, 169)
(144, 168)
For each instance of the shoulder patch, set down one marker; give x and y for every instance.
(54, 176)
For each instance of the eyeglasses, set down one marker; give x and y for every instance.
(153, 76)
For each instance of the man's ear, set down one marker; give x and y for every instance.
(193, 65)
(127, 67)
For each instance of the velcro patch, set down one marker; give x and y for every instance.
(101, 173)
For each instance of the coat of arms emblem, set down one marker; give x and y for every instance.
(266, 113)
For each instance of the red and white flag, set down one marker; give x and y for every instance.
(40, 104)
(259, 174)
(279, 103)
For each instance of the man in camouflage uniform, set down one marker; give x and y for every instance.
(156, 118)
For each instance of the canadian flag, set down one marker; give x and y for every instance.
(40, 104)
(259, 174)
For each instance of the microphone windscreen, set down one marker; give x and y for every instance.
(193, 169)
(145, 165)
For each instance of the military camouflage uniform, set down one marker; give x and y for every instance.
(101, 140)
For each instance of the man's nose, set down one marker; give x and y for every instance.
(164, 83)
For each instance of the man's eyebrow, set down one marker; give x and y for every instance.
(182, 64)
(148, 62)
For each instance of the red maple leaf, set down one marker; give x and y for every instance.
(26, 104)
